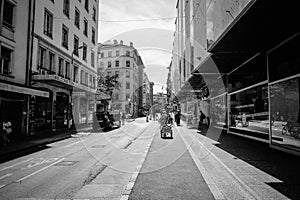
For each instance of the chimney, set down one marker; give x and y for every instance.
(131, 44)
(115, 42)
(121, 42)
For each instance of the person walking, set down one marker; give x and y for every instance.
(5, 130)
(177, 118)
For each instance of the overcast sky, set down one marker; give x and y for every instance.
(152, 38)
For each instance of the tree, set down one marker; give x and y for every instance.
(107, 84)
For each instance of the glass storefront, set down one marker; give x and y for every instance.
(83, 111)
(219, 111)
(285, 112)
(249, 110)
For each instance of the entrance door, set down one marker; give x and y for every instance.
(12, 111)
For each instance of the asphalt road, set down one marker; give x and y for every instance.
(63, 168)
(169, 172)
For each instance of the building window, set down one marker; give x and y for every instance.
(65, 34)
(117, 53)
(51, 61)
(75, 74)
(93, 58)
(117, 63)
(108, 73)
(109, 54)
(8, 14)
(94, 82)
(127, 63)
(127, 74)
(84, 53)
(127, 85)
(86, 5)
(93, 36)
(102, 55)
(91, 81)
(61, 67)
(67, 71)
(48, 23)
(127, 53)
(85, 29)
(116, 96)
(117, 73)
(76, 45)
(66, 7)
(77, 18)
(5, 61)
(109, 64)
(82, 77)
(94, 14)
(86, 78)
(42, 58)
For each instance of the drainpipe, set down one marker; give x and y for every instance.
(30, 32)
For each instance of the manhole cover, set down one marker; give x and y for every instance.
(98, 146)
(66, 163)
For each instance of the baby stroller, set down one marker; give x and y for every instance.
(166, 129)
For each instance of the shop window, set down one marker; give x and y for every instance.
(285, 112)
(219, 111)
(75, 74)
(249, 110)
(5, 62)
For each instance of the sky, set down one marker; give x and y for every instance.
(152, 38)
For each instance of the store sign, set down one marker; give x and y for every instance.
(23, 90)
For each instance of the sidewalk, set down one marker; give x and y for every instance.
(240, 168)
(19, 148)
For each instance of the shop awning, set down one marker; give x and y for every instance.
(24, 90)
(262, 25)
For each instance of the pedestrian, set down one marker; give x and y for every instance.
(5, 131)
(177, 118)
(123, 118)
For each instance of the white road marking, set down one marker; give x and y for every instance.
(71, 144)
(38, 171)
(19, 163)
(7, 175)
(2, 186)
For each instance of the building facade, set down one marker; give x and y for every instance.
(15, 91)
(63, 63)
(123, 60)
(248, 83)
(146, 94)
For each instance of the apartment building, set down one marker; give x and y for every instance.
(116, 58)
(146, 94)
(15, 91)
(63, 63)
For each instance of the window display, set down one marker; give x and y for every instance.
(219, 110)
(285, 112)
(249, 110)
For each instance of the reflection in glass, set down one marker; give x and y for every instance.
(218, 111)
(249, 110)
(284, 98)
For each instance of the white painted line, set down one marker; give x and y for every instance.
(124, 197)
(7, 175)
(19, 163)
(71, 144)
(2, 186)
(38, 171)
(130, 186)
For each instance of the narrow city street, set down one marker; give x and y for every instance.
(67, 169)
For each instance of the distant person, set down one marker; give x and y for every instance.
(177, 118)
(5, 131)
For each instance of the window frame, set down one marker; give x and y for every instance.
(65, 37)
(48, 30)
(77, 18)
